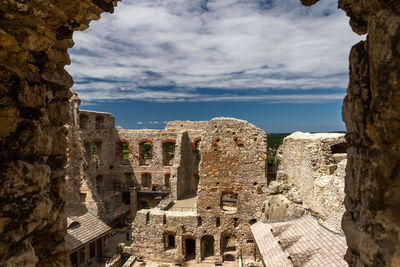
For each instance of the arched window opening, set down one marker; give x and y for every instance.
(122, 151)
(145, 152)
(190, 249)
(96, 149)
(228, 243)
(207, 247)
(169, 241)
(146, 179)
(168, 152)
(167, 177)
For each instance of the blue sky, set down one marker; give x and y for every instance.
(277, 64)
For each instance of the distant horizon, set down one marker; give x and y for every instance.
(142, 115)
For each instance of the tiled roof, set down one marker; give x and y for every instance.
(299, 242)
(83, 226)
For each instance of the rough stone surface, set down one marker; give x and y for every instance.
(231, 185)
(34, 107)
(310, 179)
(34, 37)
(371, 111)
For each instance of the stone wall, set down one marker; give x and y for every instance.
(371, 112)
(34, 108)
(310, 177)
(230, 191)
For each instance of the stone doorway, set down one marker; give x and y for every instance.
(207, 247)
(228, 248)
(190, 249)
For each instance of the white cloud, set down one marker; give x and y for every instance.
(119, 127)
(230, 45)
(139, 122)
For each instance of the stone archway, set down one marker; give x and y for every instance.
(207, 247)
(190, 248)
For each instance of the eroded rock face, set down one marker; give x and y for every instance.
(310, 179)
(371, 111)
(34, 93)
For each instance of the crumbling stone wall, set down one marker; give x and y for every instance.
(106, 164)
(371, 112)
(231, 189)
(34, 93)
(310, 179)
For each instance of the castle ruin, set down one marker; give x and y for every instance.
(34, 110)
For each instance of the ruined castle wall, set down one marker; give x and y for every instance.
(186, 125)
(371, 110)
(230, 194)
(34, 109)
(311, 171)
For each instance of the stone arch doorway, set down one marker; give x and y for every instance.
(190, 249)
(207, 247)
(228, 247)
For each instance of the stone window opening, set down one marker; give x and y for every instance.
(99, 122)
(167, 177)
(96, 152)
(339, 148)
(146, 179)
(218, 222)
(122, 151)
(252, 221)
(228, 243)
(229, 201)
(199, 221)
(145, 152)
(168, 152)
(83, 121)
(170, 241)
(126, 197)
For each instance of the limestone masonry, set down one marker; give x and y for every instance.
(36, 105)
(310, 178)
(194, 188)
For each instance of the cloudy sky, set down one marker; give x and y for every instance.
(275, 63)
